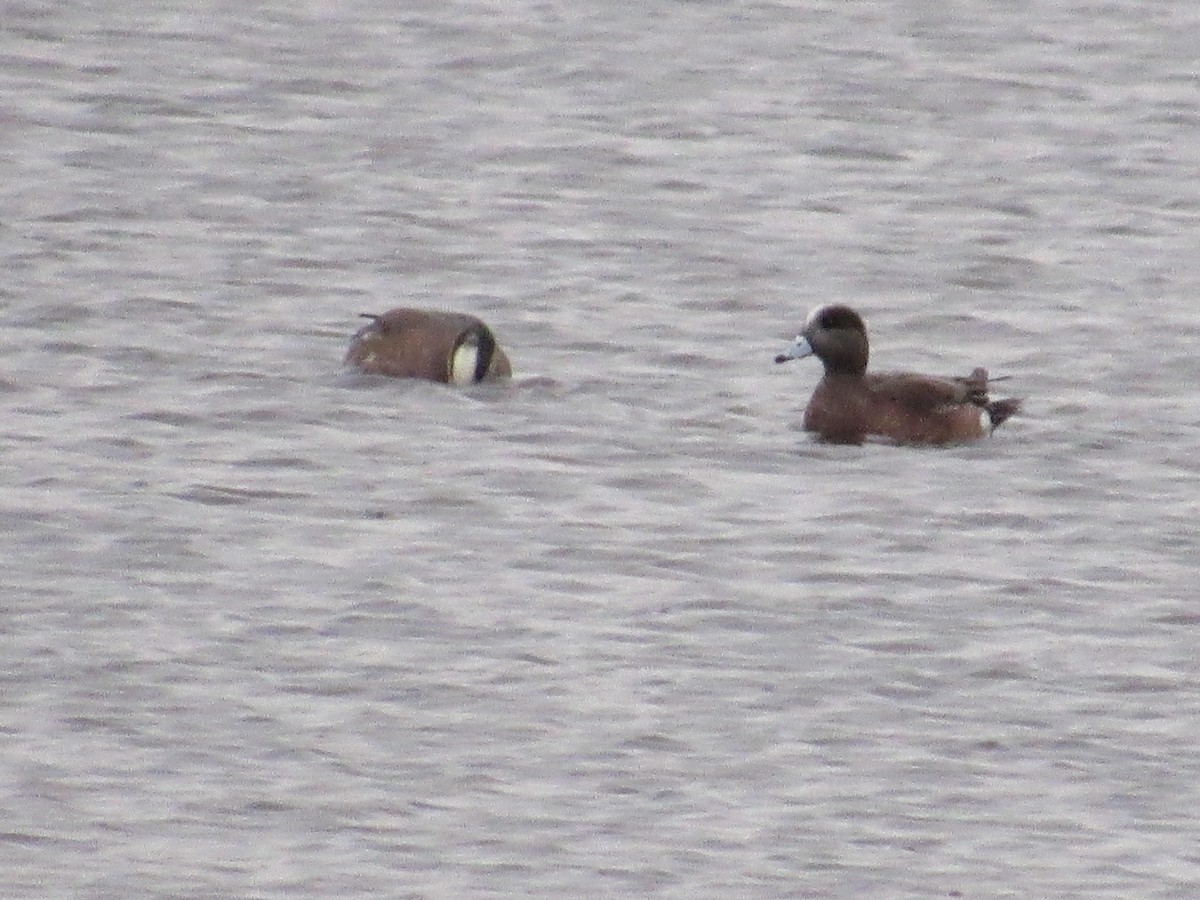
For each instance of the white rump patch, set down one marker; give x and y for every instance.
(463, 363)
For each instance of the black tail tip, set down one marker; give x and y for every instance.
(1000, 410)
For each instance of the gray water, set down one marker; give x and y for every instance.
(271, 629)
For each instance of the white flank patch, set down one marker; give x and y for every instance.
(462, 364)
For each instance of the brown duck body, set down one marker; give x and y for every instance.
(850, 404)
(903, 407)
(453, 348)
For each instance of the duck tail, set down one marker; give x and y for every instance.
(999, 410)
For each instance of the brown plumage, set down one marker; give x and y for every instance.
(453, 348)
(851, 404)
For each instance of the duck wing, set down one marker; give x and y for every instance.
(923, 393)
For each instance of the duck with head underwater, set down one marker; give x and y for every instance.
(453, 348)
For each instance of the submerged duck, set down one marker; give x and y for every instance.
(851, 404)
(454, 348)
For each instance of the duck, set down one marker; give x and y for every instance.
(448, 347)
(850, 404)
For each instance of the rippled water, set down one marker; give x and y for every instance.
(272, 629)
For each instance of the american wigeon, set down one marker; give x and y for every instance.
(850, 404)
(454, 348)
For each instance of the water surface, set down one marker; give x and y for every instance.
(272, 629)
